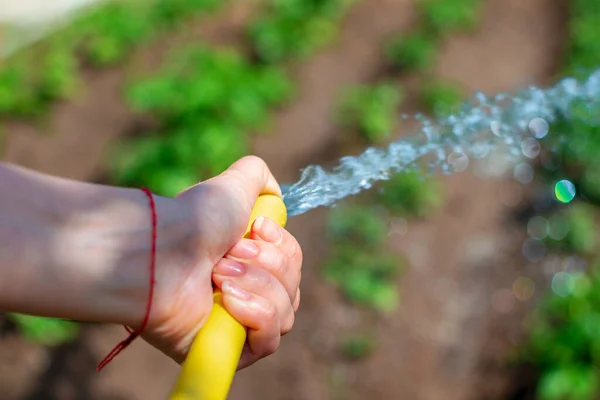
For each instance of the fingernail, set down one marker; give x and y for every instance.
(244, 249)
(235, 291)
(229, 268)
(268, 230)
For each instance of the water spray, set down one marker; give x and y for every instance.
(509, 125)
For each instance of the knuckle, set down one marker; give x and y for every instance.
(289, 324)
(280, 264)
(272, 346)
(263, 280)
(270, 313)
(297, 301)
(296, 252)
(254, 159)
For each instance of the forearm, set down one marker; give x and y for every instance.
(72, 250)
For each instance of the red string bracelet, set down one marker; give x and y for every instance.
(134, 334)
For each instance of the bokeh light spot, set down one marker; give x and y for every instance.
(564, 190)
(539, 127)
(524, 173)
(534, 250)
(575, 264)
(537, 228)
(458, 161)
(523, 288)
(531, 148)
(563, 284)
(558, 227)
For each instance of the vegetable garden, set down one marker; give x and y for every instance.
(405, 285)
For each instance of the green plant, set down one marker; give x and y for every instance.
(442, 97)
(584, 44)
(411, 194)
(205, 100)
(581, 238)
(414, 51)
(358, 263)
(30, 82)
(365, 278)
(45, 331)
(36, 77)
(445, 16)
(360, 225)
(357, 347)
(371, 110)
(293, 29)
(563, 341)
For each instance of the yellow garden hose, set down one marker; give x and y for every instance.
(212, 360)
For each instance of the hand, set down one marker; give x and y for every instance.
(199, 242)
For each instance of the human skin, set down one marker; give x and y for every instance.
(82, 251)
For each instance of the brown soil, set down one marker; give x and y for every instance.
(451, 337)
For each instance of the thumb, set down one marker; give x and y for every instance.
(224, 203)
(249, 177)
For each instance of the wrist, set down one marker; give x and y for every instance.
(122, 231)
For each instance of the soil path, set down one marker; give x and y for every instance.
(431, 349)
(463, 259)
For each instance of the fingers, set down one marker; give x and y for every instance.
(273, 249)
(259, 282)
(259, 315)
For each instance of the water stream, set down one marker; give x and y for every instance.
(513, 125)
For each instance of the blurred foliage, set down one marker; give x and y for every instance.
(114, 30)
(446, 16)
(30, 82)
(584, 44)
(414, 51)
(358, 347)
(579, 218)
(371, 110)
(563, 340)
(442, 97)
(294, 29)
(45, 331)
(411, 193)
(205, 101)
(36, 77)
(359, 264)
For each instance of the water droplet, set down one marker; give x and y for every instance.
(534, 250)
(537, 228)
(558, 227)
(539, 127)
(564, 190)
(523, 288)
(480, 149)
(563, 284)
(496, 128)
(458, 161)
(531, 148)
(498, 164)
(524, 173)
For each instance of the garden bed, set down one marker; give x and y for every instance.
(451, 335)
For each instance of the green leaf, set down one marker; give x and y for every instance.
(46, 331)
